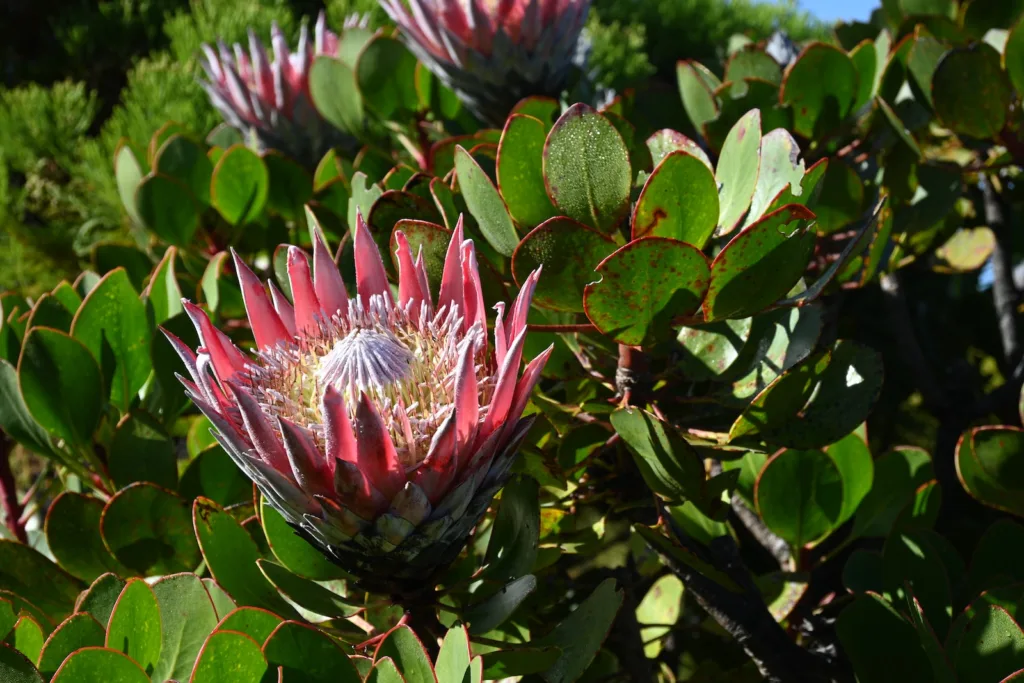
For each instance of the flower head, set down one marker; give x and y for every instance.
(493, 53)
(380, 427)
(268, 99)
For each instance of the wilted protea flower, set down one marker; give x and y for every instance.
(380, 429)
(269, 102)
(493, 53)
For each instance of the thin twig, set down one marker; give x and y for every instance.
(8, 492)
(1004, 292)
(776, 546)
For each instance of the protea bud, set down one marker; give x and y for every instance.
(380, 428)
(493, 53)
(267, 100)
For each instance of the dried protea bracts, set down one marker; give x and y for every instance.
(268, 100)
(493, 53)
(380, 428)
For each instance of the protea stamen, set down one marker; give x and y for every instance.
(381, 429)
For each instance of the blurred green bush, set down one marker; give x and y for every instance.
(98, 72)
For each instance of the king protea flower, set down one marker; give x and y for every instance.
(269, 101)
(493, 53)
(380, 427)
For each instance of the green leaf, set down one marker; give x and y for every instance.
(99, 665)
(881, 644)
(820, 105)
(98, 600)
(392, 207)
(240, 185)
(643, 286)
(740, 98)
(308, 595)
(229, 656)
(492, 612)
(384, 671)
(816, 402)
(520, 661)
(168, 208)
(911, 561)
(73, 536)
(752, 62)
(163, 292)
(113, 326)
(898, 474)
(586, 168)
(679, 201)
(852, 458)
(16, 668)
(866, 60)
(134, 627)
(107, 256)
(544, 109)
(581, 634)
(840, 200)
(408, 654)
(669, 465)
(992, 647)
(335, 94)
(29, 575)
(485, 204)
(61, 385)
(738, 169)
(454, 656)
(781, 169)
(27, 637)
(570, 253)
(979, 111)
(15, 419)
(212, 474)
(293, 551)
(661, 606)
(929, 641)
(231, 556)
(149, 530)
(977, 482)
(512, 550)
(364, 196)
(186, 161)
(128, 174)
(697, 86)
(307, 654)
(519, 171)
(74, 633)
(142, 451)
(666, 141)
(220, 287)
(799, 496)
(254, 622)
(386, 74)
(1000, 453)
(760, 264)
(291, 186)
(996, 560)
(187, 617)
(1013, 54)
(7, 618)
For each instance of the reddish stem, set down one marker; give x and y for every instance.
(12, 507)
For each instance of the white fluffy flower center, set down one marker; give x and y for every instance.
(364, 359)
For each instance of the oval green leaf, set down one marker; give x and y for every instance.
(679, 201)
(586, 168)
(240, 185)
(643, 286)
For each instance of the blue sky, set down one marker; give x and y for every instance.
(831, 10)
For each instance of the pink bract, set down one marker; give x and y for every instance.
(380, 426)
